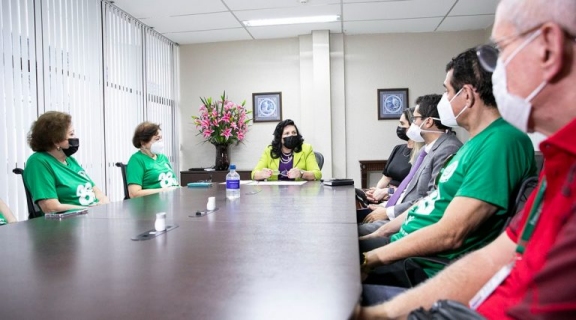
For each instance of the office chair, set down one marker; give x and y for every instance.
(539, 158)
(33, 209)
(319, 159)
(122, 167)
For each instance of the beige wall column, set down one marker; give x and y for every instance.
(315, 105)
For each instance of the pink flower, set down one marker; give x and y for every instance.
(221, 120)
(207, 133)
(226, 118)
(205, 123)
(226, 133)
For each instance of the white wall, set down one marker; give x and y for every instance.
(241, 68)
(359, 65)
(416, 61)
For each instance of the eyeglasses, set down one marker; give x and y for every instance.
(488, 53)
(414, 118)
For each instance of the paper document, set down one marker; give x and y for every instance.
(249, 182)
(271, 183)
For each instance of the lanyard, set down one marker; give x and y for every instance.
(532, 218)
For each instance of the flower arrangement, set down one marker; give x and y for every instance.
(222, 122)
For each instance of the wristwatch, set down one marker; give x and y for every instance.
(364, 262)
(364, 268)
(301, 173)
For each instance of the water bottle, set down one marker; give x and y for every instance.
(232, 183)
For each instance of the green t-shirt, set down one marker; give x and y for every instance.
(488, 167)
(48, 178)
(149, 173)
(3, 220)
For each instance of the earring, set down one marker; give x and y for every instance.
(58, 148)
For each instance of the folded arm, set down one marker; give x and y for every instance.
(135, 190)
(459, 281)
(7, 212)
(54, 205)
(461, 218)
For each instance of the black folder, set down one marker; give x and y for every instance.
(339, 182)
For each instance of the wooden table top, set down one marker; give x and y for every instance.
(285, 252)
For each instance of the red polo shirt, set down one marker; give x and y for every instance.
(542, 284)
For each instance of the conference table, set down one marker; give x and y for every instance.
(277, 252)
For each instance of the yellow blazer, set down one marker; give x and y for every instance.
(303, 160)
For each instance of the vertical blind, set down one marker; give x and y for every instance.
(90, 59)
(124, 90)
(72, 55)
(18, 96)
(160, 94)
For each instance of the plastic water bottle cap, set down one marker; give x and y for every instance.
(232, 167)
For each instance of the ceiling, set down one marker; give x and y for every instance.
(200, 21)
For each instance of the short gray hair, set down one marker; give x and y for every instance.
(526, 14)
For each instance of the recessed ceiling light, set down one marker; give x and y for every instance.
(272, 22)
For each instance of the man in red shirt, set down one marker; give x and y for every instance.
(528, 272)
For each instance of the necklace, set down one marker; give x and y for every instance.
(286, 157)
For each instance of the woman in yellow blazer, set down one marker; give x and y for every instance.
(288, 157)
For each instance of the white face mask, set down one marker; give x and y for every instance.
(414, 133)
(157, 147)
(513, 109)
(445, 111)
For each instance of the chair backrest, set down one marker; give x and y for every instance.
(33, 209)
(524, 191)
(539, 158)
(319, 159)
(122, 167)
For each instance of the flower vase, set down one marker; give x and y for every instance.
(222, 161)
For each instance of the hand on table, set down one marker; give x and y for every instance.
(266, 173)
(294, 173)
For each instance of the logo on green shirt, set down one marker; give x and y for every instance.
(85, 194)
(166, 179)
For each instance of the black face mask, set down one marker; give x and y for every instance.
(74, 145)
(401, 133)
(292, 142)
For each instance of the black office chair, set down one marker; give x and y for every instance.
(319, 159)
(539, 158)
(122, 167)
(413, 273)
(33, 209)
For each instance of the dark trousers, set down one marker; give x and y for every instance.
(375, 294)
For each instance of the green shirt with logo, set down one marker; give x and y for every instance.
(149, 173)
(3, 220)
(48, 178)
(489, 167)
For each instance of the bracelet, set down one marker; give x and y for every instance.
(364, 266)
